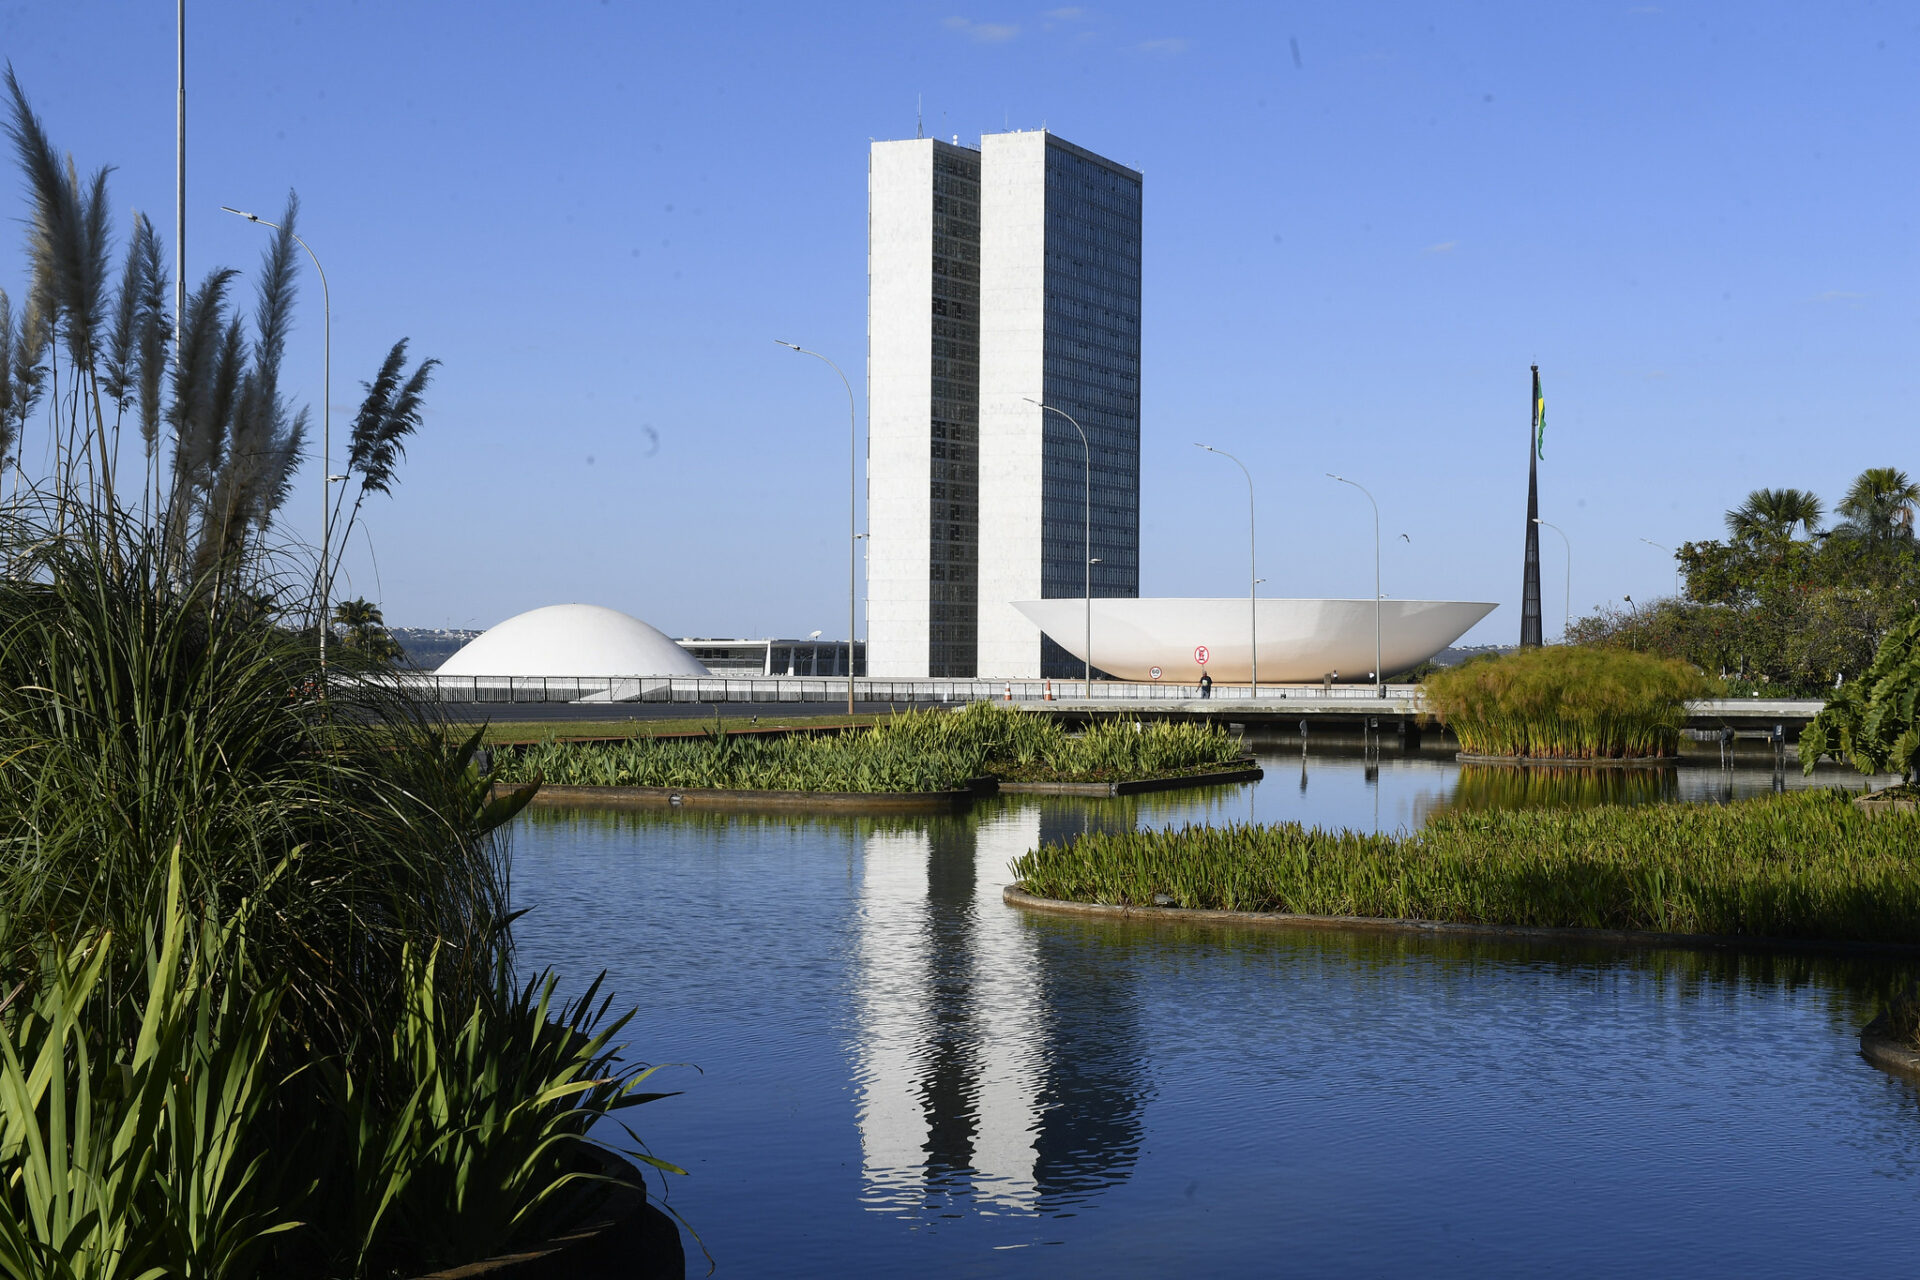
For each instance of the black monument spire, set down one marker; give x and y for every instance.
(1530, 586)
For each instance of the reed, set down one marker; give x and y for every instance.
(1807, 865)
(1567, 702)
(913, 751)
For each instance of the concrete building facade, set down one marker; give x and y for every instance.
(996, 277)
(923, 406)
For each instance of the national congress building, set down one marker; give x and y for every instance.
(995, 278)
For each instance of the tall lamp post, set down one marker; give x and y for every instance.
(326, 430)
(1086, 454)
(1253, 604)
(853, 506)
(1566, 615)
(1379, 676)
(1677, 590)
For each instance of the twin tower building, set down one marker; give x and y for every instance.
(998, 280)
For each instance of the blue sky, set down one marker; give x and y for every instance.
(1363, 223)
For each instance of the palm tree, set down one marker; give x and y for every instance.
(366, 629)
(1771, 515)
(1879, 507)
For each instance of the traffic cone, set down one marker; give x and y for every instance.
(1048, 695)
(1009, 693)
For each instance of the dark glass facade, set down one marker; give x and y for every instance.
(1092, 363)
(953, 532)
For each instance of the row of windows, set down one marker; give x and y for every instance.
(965, 530)
(958, 432)
(957, 202)
(950, 240)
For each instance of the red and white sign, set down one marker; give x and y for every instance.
(1154, 672)
(1200, 654)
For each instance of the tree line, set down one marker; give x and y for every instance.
(1783, 604)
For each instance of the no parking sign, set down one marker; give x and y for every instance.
(1200, 654)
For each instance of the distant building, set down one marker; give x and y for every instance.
(776, 657)
(571, 640)
(994, 277)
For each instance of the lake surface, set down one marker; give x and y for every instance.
(898, 1073)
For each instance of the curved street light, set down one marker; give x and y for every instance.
(1379, 676)
(1677, 591)
(853, 506)
(326, 427)
(1086, 455)
(1566, 615)
(1253, 605)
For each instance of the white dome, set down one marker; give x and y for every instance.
(572, 640)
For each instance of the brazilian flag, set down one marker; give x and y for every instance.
(1539, 419)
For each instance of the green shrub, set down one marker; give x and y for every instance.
(1874, 723)
(1566, 702)
(254, 947)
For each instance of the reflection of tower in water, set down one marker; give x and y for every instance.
(996, 1064)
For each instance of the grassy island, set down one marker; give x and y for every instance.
(914, 751)
(1807, 866)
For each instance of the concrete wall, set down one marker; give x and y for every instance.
(1012, 368)
(899, 389)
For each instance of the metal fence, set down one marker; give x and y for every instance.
(776, 689)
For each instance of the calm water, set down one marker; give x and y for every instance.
(899, 1073)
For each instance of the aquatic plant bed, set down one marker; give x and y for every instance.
(1570, 702)
(1563, 762)
(527, 733)
(1206, 777)
(1806, 866)
(914, 752)
(743, 798)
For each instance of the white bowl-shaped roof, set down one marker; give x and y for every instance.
(1300, 640)
(572, 640)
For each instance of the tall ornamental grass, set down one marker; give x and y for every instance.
(1808, 865)
(1567, 702)
(258, 1007)
(913, 751)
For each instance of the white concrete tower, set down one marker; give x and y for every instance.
(994, 276)
(1060, 231)
(923, 292)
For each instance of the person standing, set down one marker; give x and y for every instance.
(1206, 685)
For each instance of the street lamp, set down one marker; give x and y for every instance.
(1086, 455)
(1678, 592)
(853, 506)
(1379, 676)
(326, 428)
(1253, 605)
(1567, 614)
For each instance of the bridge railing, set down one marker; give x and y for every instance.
(619, 690)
